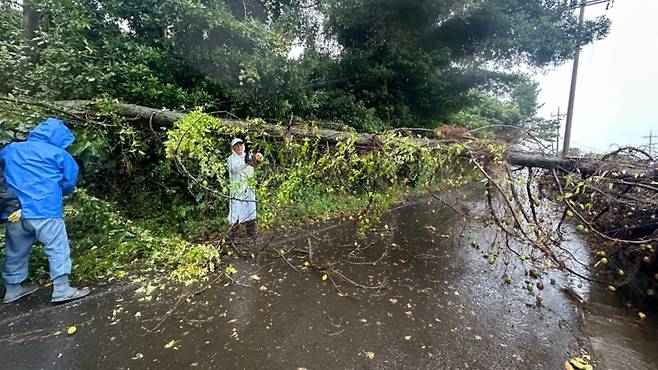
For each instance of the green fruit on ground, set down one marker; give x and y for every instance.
(522, 258)
(539, 299)
(580, 228)
(570, 213)
(620, 272)
(651, 292)
(604, 261)
(492, 260)
(530, 287)
(508, 280)
(600, 254)
(612, 288)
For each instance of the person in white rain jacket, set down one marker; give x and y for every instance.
(242, 205)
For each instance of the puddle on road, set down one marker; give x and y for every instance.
(441, 306)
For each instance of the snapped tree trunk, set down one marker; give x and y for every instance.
(164, 118)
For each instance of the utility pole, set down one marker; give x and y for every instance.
(572, 92)
(650, 137)
(558, 116)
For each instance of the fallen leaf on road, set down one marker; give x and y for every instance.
(393, 300)
(71, 330)
(370, 355)
(579, 363)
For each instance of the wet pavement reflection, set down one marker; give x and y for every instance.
(410, 293)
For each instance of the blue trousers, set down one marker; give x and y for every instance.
(20, 237)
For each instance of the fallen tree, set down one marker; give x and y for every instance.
(165, 118)
(86, 110)
(612, 200)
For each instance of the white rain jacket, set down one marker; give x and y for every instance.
(242, 205)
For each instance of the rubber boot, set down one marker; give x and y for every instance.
(251, 230)
(14, 292)
(235, 233)
(63, 292)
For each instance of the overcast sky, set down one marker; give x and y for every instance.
(617, 92)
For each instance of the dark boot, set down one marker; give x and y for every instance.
(235, 233)
(251, 229)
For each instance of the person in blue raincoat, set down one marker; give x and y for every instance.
(40, 172)
(242, 205)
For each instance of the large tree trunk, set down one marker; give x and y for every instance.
(163, 118)
(30, 26)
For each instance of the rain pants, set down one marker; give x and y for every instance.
(242, 205)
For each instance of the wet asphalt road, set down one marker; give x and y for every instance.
(410, 294)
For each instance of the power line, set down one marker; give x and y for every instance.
(574, 75)
(593, 48)
(572, 90)
(576, 5)
(587, 147)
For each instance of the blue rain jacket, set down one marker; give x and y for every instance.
(40, 171)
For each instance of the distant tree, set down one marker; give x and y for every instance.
(417, 61)
(368, 63)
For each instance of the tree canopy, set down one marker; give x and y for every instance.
(372, 64)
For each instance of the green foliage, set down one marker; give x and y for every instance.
(509, 110)
(416, 61)
(302, 180)
(487, 111)
(370, 64)
(104, 242)
(299, 182)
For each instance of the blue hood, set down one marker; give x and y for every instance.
(54, 132)
(40, 171)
